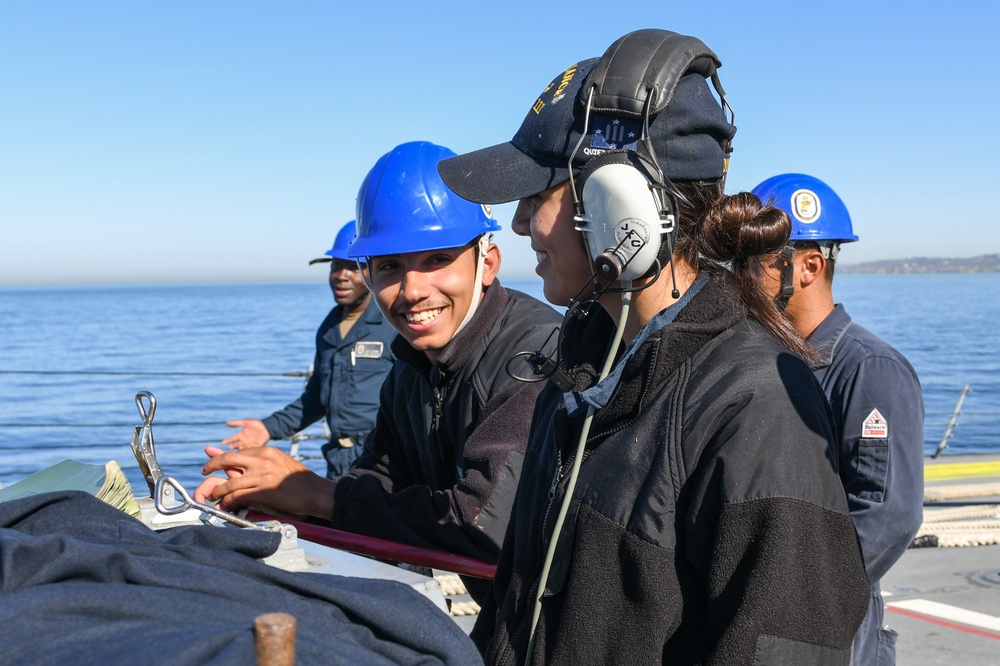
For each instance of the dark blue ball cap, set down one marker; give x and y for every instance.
(687, 137)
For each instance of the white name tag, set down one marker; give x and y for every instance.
(368, 349)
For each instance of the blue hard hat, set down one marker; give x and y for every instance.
(816, 212)
(342, 241)
(404, 206)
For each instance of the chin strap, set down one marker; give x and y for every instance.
(787, 276)
(477, 292)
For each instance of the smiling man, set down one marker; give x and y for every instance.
(440, 468)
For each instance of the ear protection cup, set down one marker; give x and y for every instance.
(621, 217)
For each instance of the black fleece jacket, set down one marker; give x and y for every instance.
(442, 464)
(708, 524)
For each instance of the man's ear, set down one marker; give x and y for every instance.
(812, 266)
(491, 264)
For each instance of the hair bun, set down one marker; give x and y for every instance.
(742, 227)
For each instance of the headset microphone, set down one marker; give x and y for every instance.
(609, 265)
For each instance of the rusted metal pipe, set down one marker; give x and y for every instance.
(274, 639)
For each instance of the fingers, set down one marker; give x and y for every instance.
(203, 493)
(224, 494)
(250, 461)
(214, 452)
(219, 460)
(263, 476)
(234, 441)
(252, 433)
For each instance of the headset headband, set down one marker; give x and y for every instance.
(650, 60)
(646, 60)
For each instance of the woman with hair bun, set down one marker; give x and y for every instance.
(679, 502)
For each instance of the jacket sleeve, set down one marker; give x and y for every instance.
(882, 467)
(380, 498)
(300, 414)
(771, 537)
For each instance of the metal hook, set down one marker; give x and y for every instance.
(142, 441)
(167, 486)
(147, 416)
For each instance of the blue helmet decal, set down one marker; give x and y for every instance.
(816, 212)
(404, 206)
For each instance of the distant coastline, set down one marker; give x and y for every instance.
(987, 263)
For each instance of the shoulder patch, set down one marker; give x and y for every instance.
(875, 426)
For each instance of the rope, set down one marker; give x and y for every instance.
(960, 526)
(963, 491)
(118, 373)
(962, 513)
(124, 442)
(108, 425)
(452, 586)
(984, 537)
(459, 608)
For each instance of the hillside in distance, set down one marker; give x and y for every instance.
(987, 263)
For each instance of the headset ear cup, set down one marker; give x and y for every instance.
(619, 216)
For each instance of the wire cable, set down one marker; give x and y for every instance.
(153, 374)
(609, 360)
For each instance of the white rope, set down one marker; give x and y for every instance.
(961, 513)
(964, 539)
(962, 491)
(452, 586)
(962, 526)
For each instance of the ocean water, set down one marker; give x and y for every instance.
(73, 358)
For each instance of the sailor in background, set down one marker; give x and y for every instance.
(874, 392)
(679, 502)
(353, 356)
(441, 466)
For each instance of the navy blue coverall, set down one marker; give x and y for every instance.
(347, 375)
(879, 409)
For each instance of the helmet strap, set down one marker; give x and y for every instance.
(787, 276)
(477, 290)
(830, 250)
(364, 265)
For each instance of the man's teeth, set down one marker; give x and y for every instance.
(422, 317)
(541, 256)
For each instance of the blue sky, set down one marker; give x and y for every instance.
(225, 140)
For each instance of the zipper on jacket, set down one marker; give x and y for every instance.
(552, 488)
(519, 631)
(438, 413)
(556, 478)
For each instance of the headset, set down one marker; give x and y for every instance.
(624, 221)
(626, 206)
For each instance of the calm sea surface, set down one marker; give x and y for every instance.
(72, 359)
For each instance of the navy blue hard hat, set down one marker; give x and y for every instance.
(404, 206)
(816, 212)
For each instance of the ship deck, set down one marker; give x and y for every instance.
(944, 601)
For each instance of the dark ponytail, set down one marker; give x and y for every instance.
(740, 232)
